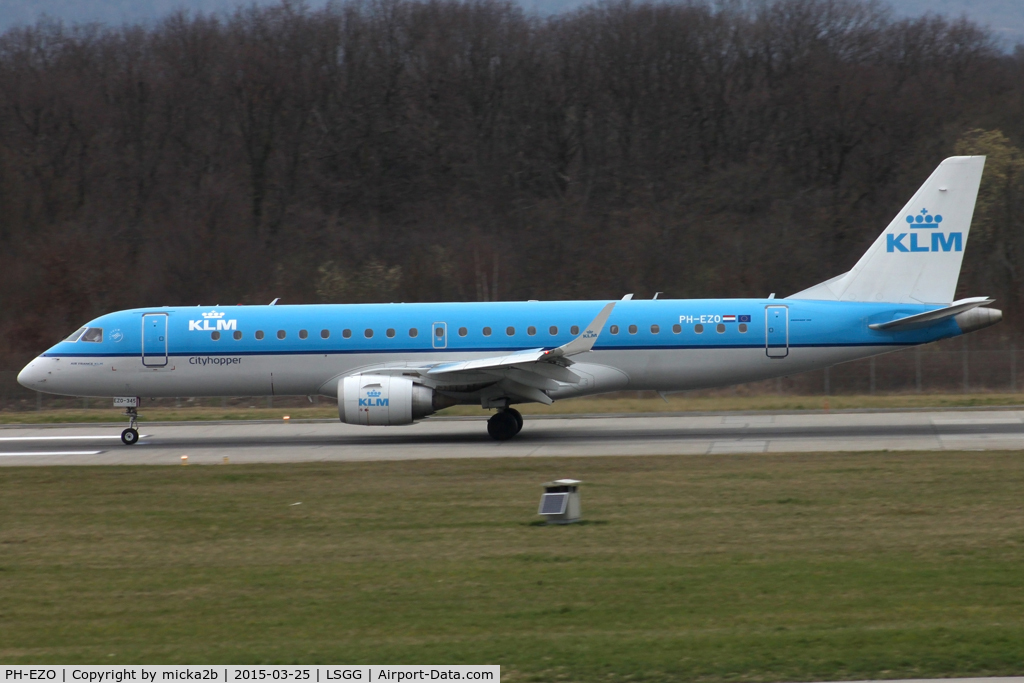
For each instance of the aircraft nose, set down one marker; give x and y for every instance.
(32, 376)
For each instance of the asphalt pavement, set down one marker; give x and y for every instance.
(592, 435)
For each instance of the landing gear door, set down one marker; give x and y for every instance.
(439, 335)
(776, 330)
(154, 340)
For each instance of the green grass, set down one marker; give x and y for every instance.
(726, 568)
(600, 404)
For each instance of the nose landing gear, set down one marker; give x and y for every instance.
(505, 424)
(130, 436)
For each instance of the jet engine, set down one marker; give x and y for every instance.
(386, 400)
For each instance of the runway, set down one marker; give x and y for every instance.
(591, 435)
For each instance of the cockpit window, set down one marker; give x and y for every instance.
(75, 335)
(93, 334)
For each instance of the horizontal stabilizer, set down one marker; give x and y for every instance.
(931, 317)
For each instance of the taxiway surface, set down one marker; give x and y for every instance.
(710, 434)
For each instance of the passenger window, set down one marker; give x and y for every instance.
(552, 330)
(487, 332)
(346, 333)
(368, 333)
(510, 331)
(281, 334)
(698, 328)
(720, 328)
(325, 334)
(390, 333)
(237, 335)
(259, 334)
(575, 329)
(531, 330)
(614, 329)
(215, 336)
(743, 327)
(75, 335)
(632, 329)
(655, 329)
(93, 334)
(677, 328)
(413, 332)
(463, 331)
(303, 334)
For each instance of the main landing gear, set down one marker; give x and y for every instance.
(130, 436)
(505, 424)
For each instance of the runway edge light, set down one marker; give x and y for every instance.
(560, 502)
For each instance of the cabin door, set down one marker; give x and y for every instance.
(154, 340)
(776, 330)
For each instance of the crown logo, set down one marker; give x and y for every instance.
(924, 220)
(373, 394)
(214, 315)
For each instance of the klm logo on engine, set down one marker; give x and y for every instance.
(374, 400)
(918, 241)
(214, 317)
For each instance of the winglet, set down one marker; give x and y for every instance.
(585, 341)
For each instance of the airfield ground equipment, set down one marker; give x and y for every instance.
(560, 503)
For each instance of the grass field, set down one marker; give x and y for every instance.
(674, 403)
(731, 568)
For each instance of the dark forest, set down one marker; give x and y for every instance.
(441, 150)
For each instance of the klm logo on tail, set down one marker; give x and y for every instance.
(940, 241)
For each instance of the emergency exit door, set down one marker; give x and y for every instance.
(439, 335)
(154, 340)
(776, 330)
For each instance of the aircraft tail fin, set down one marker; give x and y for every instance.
(917, 259)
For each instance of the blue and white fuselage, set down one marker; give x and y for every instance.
(394, 363)
(665, 345)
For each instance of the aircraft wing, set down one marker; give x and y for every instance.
(549, 363)
(523, 375)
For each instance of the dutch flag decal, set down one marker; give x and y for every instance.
(728, 318)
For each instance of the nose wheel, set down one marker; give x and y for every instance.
(505, 424)
(130, 436)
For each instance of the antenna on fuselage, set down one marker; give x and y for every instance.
(627, 297)
(657, 293)
(275, 301)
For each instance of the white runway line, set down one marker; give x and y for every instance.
(976, 421)
(26, 453)
(62, 438)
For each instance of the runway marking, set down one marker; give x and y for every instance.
(976, 421)
(5, 455)
(727, 447)
(63, 438)
(743, 420)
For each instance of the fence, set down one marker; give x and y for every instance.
(937, 368)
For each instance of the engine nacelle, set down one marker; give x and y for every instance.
(386, 400)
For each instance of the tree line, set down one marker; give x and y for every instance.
(421, 150)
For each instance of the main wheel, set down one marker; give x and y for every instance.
(502, 426)
(130, 436)
(518, 416)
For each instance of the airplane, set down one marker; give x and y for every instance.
(394, 364)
